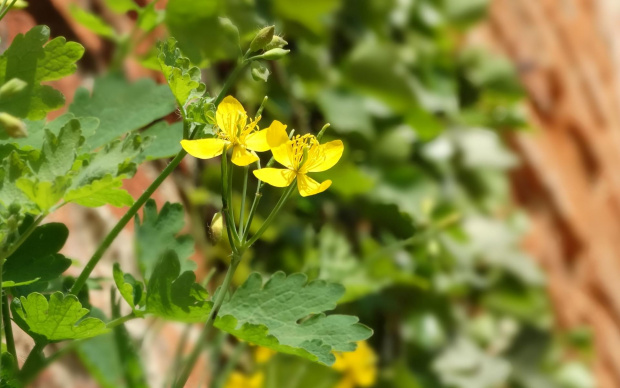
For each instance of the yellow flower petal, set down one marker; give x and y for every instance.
(230, 115)
(257, 141)
(308, 186)
(282, 154)
(275, 176)
(240, 380)
(324, 156)
(204, 148)
(243, 157)
(276, 134)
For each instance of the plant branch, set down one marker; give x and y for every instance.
(219, 299)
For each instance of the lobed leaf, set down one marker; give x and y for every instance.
(60, 318)
(182, 77)
(174, 295)
(131, 289)
(32, 59)
(158, 233)
(100, 192)
(37, 259)
(121, 106)
(287, 315)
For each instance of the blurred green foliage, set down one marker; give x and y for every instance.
(418, 224)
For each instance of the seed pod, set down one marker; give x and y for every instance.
(13, 126)
(262, 38)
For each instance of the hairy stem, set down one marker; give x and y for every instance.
(243, 195)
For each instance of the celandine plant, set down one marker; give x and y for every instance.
(46, 165)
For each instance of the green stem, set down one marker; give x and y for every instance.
(233, 238)
(221, 293)
(121, 320)
(23, 237)
(287, 193)
(8, 329)
(243, 195)
(33, 363)
(7, 9)
(90, 266)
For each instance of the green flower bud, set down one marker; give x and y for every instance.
(262, 38)
(217, 227)
(275, 53)
(13, 126)
(276, 42)
(12, 87)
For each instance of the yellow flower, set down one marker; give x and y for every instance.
(240, 380)
(359, 367)
(301, 155)
(234, 130)
(263, 354)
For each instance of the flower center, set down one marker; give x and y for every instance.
(302, 148)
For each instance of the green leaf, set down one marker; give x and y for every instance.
(38, 258)
(270, 316)
(100, 192)
(158, 233)
(165, 140)
(9, 370)
(58, 152)
(44, 194)
(13, 168)
(121, 106)
(346, 112)
(131, 289)
(38, 129)
(174, 295)
(202, 35)
(60, 318)
(92, 22)
(116, 159)
(308, 13)
(183, 79)
(149, 17)
(31, 59)
(121, 6)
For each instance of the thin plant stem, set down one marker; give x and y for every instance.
(193, 357)
(8, 329)
(287, 193)
(121, 320)
(23, 237)
(7, 9)
(243, 195)
(233, 238)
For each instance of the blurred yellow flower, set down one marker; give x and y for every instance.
(240, 380)
(301, 155)
(234, 130)
(263, 354)
(359, 368)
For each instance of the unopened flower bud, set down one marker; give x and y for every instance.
(262, 39)
(275, 53)
(13, 126)
(12, 87)
(276, 42)
(217, 226)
